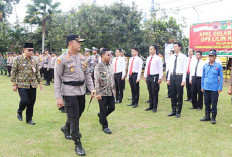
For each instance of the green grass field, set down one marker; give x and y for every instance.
(135, 132)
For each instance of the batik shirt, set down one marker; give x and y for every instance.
(104, 80)
(25, 72)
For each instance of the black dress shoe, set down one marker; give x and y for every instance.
(168, 97)
(136, 105)
(148, 109)
(177, 115)
(148, 101)
(172, 114)
(130, 99)
(193, 108)
(79, 149)
(31, 122)
(20, 117)
(117, 102)
(154, 110)
(131, 104)
(66, 133)
(107, 130)
(47, 84)
(187, 99)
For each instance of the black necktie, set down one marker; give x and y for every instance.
(196, 68)
(175, 63)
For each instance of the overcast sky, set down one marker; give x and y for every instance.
(204, 11)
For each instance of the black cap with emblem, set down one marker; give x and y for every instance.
(28, 45)
(76, 37)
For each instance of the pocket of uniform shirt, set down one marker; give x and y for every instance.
(70, 66)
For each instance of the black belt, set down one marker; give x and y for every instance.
(154, 75)
(197, 77)
(74, 83)
(117, 73)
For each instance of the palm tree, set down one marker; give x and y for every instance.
(40, 12)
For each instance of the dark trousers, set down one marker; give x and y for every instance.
(168, 87)
(197, 94)
(52, 74)
(74, 107)
(93, 77)
(188, 87)
(41, 72)
(124, 84)
(107, 106)
(119, 86)
(134, 88)
(9, 70)
(176, 93)
(47, 75)
(27, 100)
(211, 97)
(153, 88)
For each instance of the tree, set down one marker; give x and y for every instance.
(40, 12)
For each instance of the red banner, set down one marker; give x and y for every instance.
(214, 35)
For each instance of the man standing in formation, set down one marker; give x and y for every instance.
(105, 89)
(211, 84)
(133, 76)
(87, 62)
(53, 62)
(9, 64)
(188, 85)
(47, 67)
(167, 72)
(177, 78)
(25, 77)
(71, 75)
(94, 60)
(153, 75)
(195, 80)
(119, 65)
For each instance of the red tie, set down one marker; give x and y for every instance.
(131, 67)
(115, 65)
(189, 65)
(149, 67)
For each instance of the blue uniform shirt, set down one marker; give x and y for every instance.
(212, 78)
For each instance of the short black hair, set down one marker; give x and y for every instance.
(135, 48)
(178, 43)
(213, 50)
(199, 52)
(155, 47)
(120, 50)
(172, 51)
(103, 51)
(192, 49)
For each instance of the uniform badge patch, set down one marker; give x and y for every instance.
(58, 61)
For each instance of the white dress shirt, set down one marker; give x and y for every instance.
(137, 66)
(199, 68)
(192, 59)
(121, 65)
(156, 66)
(181, 67)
